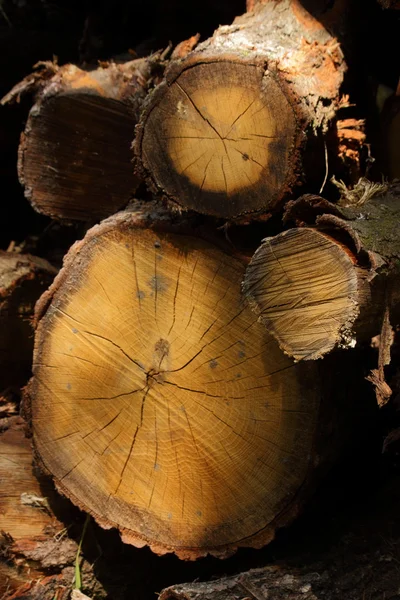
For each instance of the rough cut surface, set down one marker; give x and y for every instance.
(330, 285)
(305, 287)
(75, 152)
(217, 141)
(159, 404)
(224, 133)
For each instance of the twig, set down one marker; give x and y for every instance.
(326, 169)
(77, 576)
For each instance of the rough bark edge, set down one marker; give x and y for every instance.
(155, 97)
(108, 79)
(369, 216)
(251, 585)
(371, 222)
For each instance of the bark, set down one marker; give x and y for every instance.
(331, 285)
(202, 440)
(75, 156)
(226, 133)
(23, 279)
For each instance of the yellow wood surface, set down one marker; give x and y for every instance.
(160, 404)
(219, 138)
(304, 286)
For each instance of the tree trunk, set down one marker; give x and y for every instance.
(23, 278)
(329, 285)
(159, 404)
(226, 133)
(75, 154)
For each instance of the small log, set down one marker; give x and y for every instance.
(23, 279)
(225, 133)
(159, 404)
(75, 153)
(329, 285)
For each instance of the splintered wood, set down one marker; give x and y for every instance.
(159, 403)
(305, 288)
(220, 137)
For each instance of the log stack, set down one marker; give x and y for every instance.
(177, 393)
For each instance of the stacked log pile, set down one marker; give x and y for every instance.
(194, 376)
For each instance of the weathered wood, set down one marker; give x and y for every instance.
(38, 555)
(75, 153)
(159, 404)
(23, 279)
(330, 285)
(225, 133)
(30, 539)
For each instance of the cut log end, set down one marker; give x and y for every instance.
(305, 287)
(218, 138)
(160, 405)
(75, 158)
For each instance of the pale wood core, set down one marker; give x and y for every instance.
(304, 287)
(223, 132)
(221, 138)
(160, 404)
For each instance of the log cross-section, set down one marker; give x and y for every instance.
(226, 132)
(221, 137)
(305, 287)
(159, 403)
(329, 283)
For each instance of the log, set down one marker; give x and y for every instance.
(159, 404)
(328, 285)
(75, 153)
(226, 132)
(23, 279)
(38, 554)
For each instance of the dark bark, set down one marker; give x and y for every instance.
(75, 153)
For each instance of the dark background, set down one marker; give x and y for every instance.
(361, 496)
